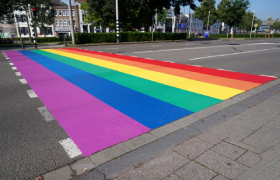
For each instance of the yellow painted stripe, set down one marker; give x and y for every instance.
(212, 90)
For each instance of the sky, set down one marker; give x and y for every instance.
(263, 8)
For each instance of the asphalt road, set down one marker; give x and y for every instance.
(29, 145)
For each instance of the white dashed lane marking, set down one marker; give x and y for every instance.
(18, 74)
(11, 64)
(14, 68)
(70, 147)
(31, 94)
(23, 81)
(46, 114)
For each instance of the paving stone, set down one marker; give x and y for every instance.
(232, 131)
(93, 175)
(270, 173)
(228, 150)
(220, 177)
(139, 141)
(193, 148)
(252, 172)
(195, 171)
(221, 164)
(82, 166)
(108, 154)
(164, 130)
(64, 173)
(252, 123)
(143, 154)
(242, 145)
(166, 164)
(212, 137)
(137, 174)
(272, 153)
(249, 159)
(172, 177)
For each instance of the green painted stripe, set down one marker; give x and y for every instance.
(178, 97)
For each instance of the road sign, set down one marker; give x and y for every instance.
(256, 25)
(206, 34)
(182, 26)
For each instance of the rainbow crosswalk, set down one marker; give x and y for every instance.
(101, 99)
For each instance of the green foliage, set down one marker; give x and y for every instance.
(232, 11)
(7, 7)
(247, 25)
(259, 21)
(83, 38)
(132, 13)
(202, 12)
(162, 17)
(275, 25)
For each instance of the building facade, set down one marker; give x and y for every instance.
(62, 19)
(87, 27)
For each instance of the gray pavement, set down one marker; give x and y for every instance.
(238, 133)
(245, 147)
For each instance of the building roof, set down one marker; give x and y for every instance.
(58, 3)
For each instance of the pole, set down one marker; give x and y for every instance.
(71, 22)
(208, 21)
(65, 42)
(252, 24)
(34, 27)
(117, 21)
(28, 26)
(189, 22)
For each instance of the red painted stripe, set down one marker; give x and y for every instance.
(204, 70)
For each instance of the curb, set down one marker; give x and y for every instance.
(107, 159)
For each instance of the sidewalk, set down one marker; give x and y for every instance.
(237, 139)
(246, 147)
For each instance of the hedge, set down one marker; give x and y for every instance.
(83, 38)
(241, 35)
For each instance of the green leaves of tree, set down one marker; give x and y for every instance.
(232, 11)
(202, 12)
(132, 13)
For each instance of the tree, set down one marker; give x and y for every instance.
(275, 25)
(247, 26)
(45, 14)
(232, 11)
(7, 7)
(202, 12)
(162, 17)
(132, 13)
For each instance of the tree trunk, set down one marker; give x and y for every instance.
(232, 31)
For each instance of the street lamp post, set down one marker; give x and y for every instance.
(71, 22)
(117, 21)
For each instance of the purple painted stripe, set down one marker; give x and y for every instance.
(91, 124)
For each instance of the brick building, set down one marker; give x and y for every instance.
(62, 19)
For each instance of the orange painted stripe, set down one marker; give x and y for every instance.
(232, 83)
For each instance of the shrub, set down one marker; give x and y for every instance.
(83, 38)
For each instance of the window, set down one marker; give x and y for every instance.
(69, 23)
(65, 22)
(60, 23)
(67, 12)
(56, 23)
(49, 31)
(73, 12)
(64, 12)
(74, 23)
(59, 13)
(55, 12)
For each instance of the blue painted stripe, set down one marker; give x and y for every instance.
(146, 110)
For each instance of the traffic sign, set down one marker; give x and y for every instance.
(256, 25)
